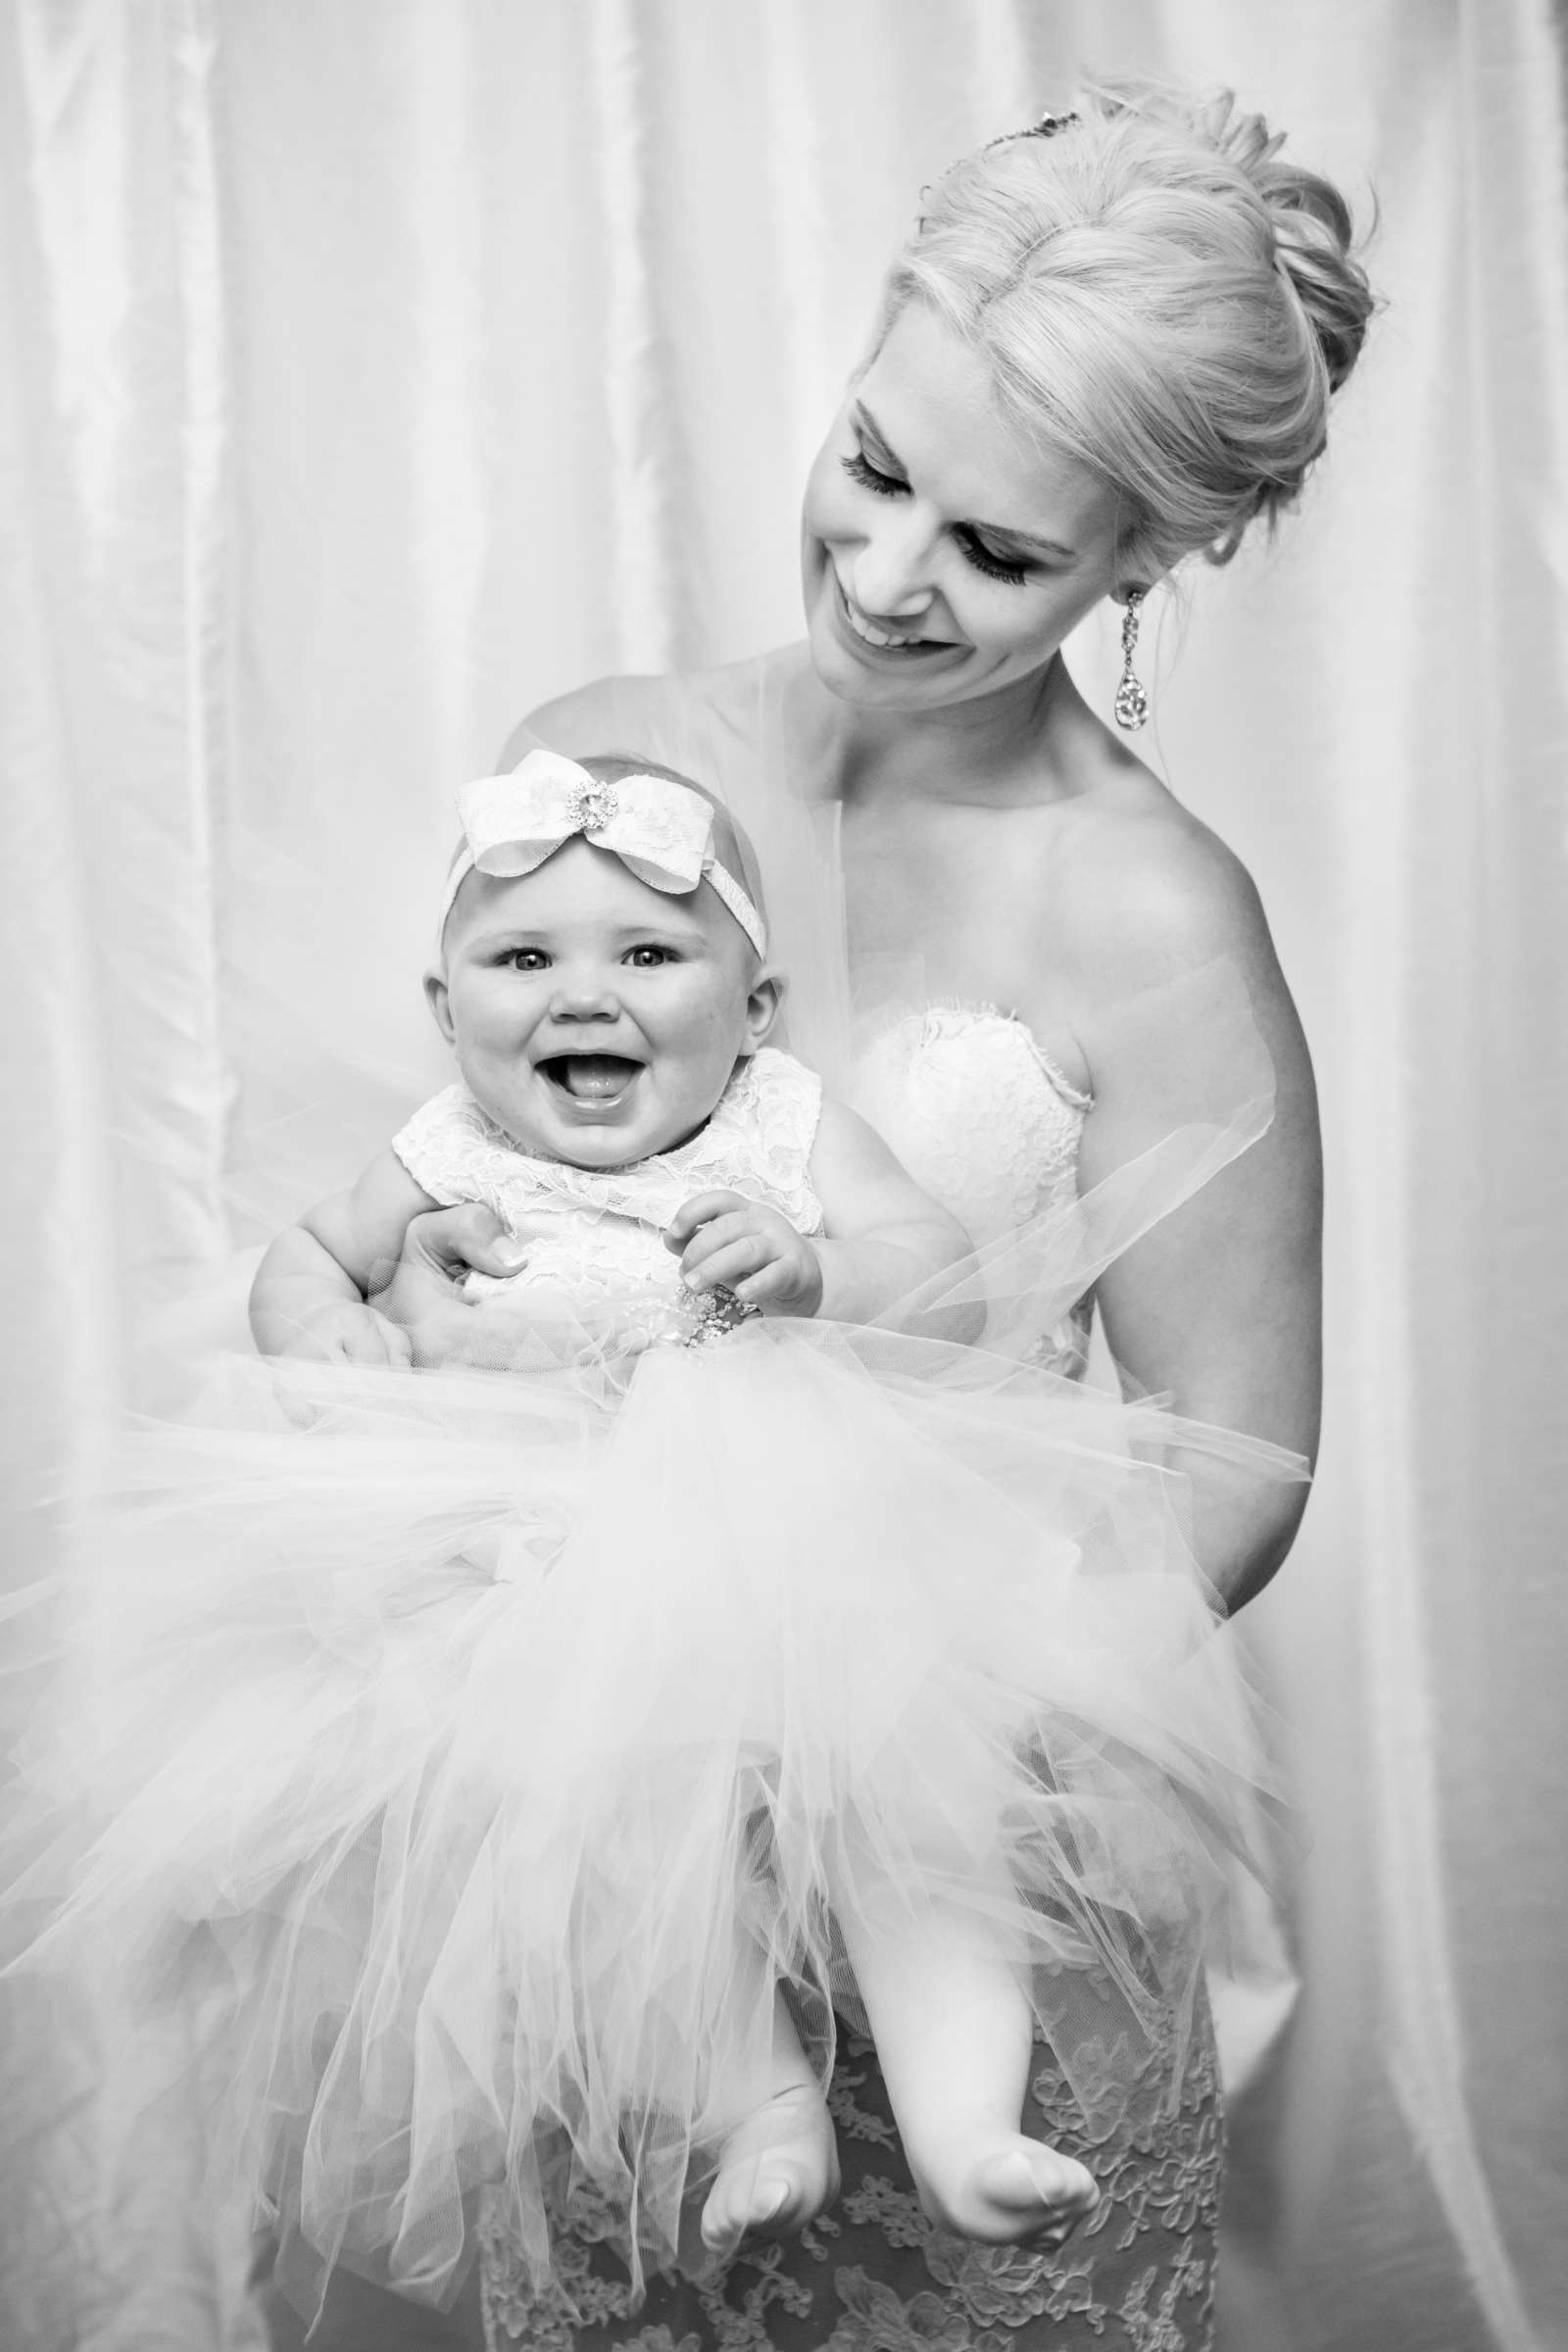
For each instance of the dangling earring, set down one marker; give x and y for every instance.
(1132, 703)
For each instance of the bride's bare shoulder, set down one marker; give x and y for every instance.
(1142, 888)
(646, 712)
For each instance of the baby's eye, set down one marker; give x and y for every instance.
(649, 956)
(526, 959)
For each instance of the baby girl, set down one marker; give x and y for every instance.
(662, 1172)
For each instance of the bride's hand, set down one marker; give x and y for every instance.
(424, 1296)
(547, 1327)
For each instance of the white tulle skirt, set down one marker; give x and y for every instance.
(452, 1745)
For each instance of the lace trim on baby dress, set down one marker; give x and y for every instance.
(758, 1139)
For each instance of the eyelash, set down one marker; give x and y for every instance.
(858, 465)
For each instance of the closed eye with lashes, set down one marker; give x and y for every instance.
(859, 469)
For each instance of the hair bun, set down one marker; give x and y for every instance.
(1314, 235)
(1314, 238)
(1313, 231)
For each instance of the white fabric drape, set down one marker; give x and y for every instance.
(370, 370)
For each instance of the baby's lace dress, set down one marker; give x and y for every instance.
(989, 1126)
(600, 1232)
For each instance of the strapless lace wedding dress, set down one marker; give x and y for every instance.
(984, 1122)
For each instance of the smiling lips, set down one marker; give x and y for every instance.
(589, 1077)
(884, 641)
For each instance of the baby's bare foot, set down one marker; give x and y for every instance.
(778, 2170)
(1015, 2192)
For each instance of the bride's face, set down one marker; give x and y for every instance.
(945, 557)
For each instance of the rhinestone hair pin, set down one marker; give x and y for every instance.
(1047, 127)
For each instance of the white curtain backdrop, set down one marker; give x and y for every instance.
(371, 370)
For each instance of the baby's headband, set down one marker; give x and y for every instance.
(661, 831)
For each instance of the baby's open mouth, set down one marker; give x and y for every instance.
(589, 1077)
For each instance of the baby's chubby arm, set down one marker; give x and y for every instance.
(309, 1294)
(883, 1239)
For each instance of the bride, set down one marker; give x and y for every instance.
(1109, 346)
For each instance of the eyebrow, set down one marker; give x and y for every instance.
(990, 531)
(678, 929)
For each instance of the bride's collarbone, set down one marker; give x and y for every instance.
(981, 932)
(984, 969)
(992, 913)
(972, 863)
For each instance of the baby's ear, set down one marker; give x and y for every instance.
(763, 1002)
(438, 996)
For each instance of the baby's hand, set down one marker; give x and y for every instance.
(726, 1242)
(347, 1331)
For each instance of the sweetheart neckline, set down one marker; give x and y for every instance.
(978, 1009)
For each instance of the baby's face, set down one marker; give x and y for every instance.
(596, 1020)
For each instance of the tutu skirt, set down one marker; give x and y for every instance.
(454, 1745)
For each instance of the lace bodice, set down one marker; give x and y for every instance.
(978, 1116)
(597, 1231)
(984, 1122)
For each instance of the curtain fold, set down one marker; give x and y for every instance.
(369, 371)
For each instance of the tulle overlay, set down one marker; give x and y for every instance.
(458, 1757)
(454, 1742)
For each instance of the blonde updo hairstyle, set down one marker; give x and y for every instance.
(1158, 293)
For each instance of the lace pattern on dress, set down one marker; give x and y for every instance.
(600, 1230)
(875, 2275)
(975, 1112)
(987, 1123)
(761, 1134)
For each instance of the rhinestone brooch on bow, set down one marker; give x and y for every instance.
(594, 806)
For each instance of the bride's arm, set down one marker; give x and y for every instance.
(1182, 1007)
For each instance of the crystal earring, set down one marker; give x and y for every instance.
(1131, 705)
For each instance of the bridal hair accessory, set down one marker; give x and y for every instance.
(1047, 127)
(1131, 705)
(661, 831)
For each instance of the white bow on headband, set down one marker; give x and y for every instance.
(661, 831)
